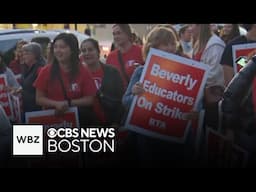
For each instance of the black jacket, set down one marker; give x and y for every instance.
(29, 91)
(237, 105)
(110, 94)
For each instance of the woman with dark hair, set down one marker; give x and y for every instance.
(107, 81)
(65, 82)
(108, 103)
(229, 32)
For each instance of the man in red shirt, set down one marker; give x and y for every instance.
(130, 54)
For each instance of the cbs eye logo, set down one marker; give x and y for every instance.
(52, 133)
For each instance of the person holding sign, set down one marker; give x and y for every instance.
(8, 85)
(229, 32)
(63, 84)
(227, 57)
(161, 38)
(66, 82)
(154, 152)
(239, 109)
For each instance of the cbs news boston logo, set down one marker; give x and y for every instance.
(28, 140)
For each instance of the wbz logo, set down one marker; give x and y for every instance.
(27, 139)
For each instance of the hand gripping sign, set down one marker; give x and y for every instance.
(173, 86)
(48, 119)
(242, 54)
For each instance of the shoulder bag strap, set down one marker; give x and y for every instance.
(121, 62)
(63, 88)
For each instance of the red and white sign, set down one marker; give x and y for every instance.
(48, 119)
(242, 54)
(173, 86)
(16, 108)
(5, 97)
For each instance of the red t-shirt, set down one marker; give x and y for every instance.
(97, 77)
(133, 55)
(81, 86)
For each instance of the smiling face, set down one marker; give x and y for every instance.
(90, 52)
(61, 51)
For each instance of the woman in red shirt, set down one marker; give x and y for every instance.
(65, 82)
(108, 82)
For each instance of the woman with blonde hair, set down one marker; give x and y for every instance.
(150, 151)
(161, 38)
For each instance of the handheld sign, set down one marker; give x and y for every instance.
(242, 54)
(173, 87)
(48, 119)
(5, 99)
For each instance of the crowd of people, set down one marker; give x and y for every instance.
(73, 76)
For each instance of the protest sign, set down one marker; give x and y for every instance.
(242, 54)
(49, 119)
(173, 87)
